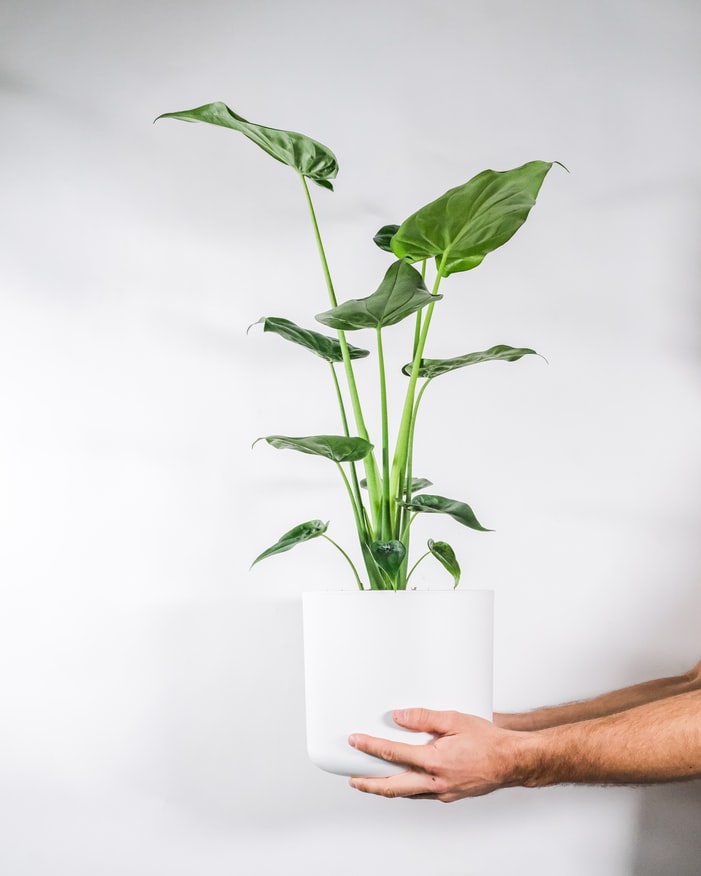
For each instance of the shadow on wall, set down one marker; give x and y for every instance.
(669, 840)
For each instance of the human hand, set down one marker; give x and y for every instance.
(468, 758)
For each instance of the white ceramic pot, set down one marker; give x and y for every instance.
(369, 652)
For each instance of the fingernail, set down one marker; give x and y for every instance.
(353, 740)
(401, 715)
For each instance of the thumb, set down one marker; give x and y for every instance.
(426, 720)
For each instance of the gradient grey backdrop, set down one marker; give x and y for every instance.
(152, 717)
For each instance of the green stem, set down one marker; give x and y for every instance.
(417, 328)
(401, 449)
(422, 557)
(386, 509)
(350, 562)
(346, 432)
(357, 513)
(407, 526)
(371, 470)
(406, 487)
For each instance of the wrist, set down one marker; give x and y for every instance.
(523, 759)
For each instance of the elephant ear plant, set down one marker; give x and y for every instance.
(453, 234)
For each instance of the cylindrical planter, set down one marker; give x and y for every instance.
(368, 653)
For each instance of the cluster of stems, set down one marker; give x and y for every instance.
(386, 519)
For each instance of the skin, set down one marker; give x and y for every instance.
(647, 733)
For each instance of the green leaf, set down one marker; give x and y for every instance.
(401, 293)
(328, 348)
(420, 484)
(416, 484)
(445, 555)
(434, 367)
(306, 156)
(466, 223)
(389, 556)
(384, 236)
(303, 532)
(338, 448)
(440, 505)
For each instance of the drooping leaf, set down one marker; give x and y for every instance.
(459, 511)
(416, 484)
(308, 157)
(338, 448)
(384, 236)
(323, 346)
(298, 534)
(445, 555)
(401, 293)
(466, 223)
(389, 556)
(502, 353)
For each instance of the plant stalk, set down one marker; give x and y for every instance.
(370, 463)
(350, 562)
(402, 446)
(353, 468)
(386, 498)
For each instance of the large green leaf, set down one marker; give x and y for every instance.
(445, 555)
(401, 293)
(338, 448)
(384, 236)
(389, 556)
(328, 348)
(502, 353)
(459, 511)
(466, 223)
(302, 532)
(306, 156)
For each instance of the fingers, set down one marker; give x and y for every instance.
(393, 752)
(427, 720)
(409, 784)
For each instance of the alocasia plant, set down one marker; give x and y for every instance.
(454, 233)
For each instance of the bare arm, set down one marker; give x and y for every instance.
(655, 742)
(606, 704)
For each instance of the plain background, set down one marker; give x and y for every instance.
(152, 716)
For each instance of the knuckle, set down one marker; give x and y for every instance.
(387, 754)
(419, 717)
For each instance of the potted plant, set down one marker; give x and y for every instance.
(343, 629)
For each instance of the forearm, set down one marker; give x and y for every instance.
(656, 742)
(604, 705)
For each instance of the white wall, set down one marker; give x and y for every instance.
(151, 687)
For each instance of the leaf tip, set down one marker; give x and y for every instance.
(257, 322)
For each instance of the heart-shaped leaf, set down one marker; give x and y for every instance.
(323, 346)
(401, 293)
(466, 223)
(384, 237)
(338, 448)
(445, 555)
(308, 157)
(302, 532)
(459, 511)
(502, 353)
(389, 556)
